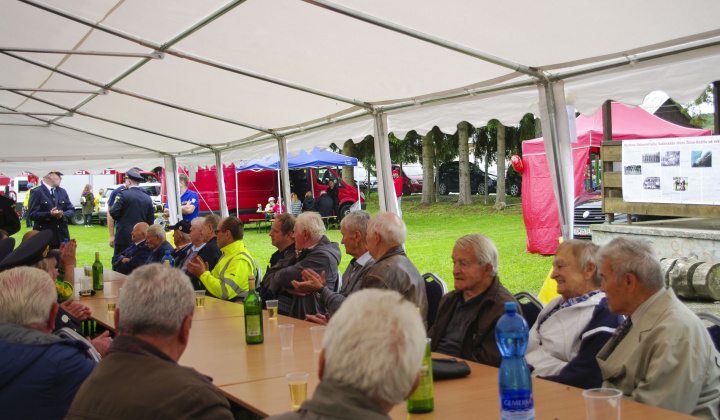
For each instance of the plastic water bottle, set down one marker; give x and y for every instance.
(167, 259)
(511, 335)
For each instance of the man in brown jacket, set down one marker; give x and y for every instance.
(466, 317)
(140, 376)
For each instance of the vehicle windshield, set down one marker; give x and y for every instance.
(412, 170)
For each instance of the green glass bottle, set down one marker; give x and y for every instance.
(421, 401)
(253, 314)
(97, 273)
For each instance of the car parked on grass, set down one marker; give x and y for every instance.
(513, 182)
(412, 176)
(449, 174)
(588, 211)
(151, 188)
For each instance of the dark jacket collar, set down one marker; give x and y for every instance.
(392, 251)
(130, 344)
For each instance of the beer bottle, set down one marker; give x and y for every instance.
(253, 314)
(421, 401)
(97, 273)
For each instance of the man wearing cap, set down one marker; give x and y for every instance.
(181, 240)
(131, 207)
(398, 184)
(110, 221)
(189, 201)
(136, 254)
(269, 207)
(50, 208)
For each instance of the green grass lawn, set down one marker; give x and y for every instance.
(432, 232)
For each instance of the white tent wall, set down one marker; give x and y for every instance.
(232, 76)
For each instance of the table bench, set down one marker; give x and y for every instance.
(327, 220)
(262, 223)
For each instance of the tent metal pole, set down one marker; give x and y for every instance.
(87, 92)
(237, 192)
(139, 96)
(85, 114)
(716, 107)
(173, 189)
(155, 55)
(49, 114)
(386, 188)
(607, 120)
(220, 174)
(427, 38)
(284, 186)
(556, 168)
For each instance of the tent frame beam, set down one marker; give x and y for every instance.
(87, 92)
(154, 55)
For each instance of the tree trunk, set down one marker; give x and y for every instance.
(500, 194)
(465, 197)
(487, 163)
(348, 172)
(428, 158)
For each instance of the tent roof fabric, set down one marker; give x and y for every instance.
(236, 75)
(316, 158)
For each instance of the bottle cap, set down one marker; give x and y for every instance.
(510, 307)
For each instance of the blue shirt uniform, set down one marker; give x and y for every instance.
(189, 197)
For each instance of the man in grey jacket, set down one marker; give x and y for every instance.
(314, 251)
(361, 377)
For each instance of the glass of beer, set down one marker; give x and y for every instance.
(111, 303)
(298, 388)
(199, 298)
(272, 308)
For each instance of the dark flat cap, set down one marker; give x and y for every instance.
(56, 173)
(183, 226)
(134, 176)
(29, 252)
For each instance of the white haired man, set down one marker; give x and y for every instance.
(362, 377)
(393, 269)
(134, 255)
(208, 253)
(40, 372)
(314, 251)
(466, 317)
(573, 327)
(158, 244)
(662, 354)
(353, 228)
(140, 377)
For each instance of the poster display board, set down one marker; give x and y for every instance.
(681, 170)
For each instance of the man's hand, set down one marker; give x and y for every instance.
(295, 292)
(67, 255)
(112, 241)
(197, 266)
(312, 282)
(101, 342)
(76, 309)
(317, 318)
(124, 260)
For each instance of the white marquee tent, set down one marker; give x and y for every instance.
(92, 84)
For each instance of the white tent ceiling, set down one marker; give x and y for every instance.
(299, 70)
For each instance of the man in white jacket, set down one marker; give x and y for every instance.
(573, 327)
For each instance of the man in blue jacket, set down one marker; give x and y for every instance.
(41, 372)
(136, 254)
(49, 207)
(131, 207)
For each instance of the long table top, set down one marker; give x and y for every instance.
(253, 376)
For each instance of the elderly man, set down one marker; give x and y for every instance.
(229, 279)
(363, 373)
(466, 317)
(50, 208)
(209, 254)
(393, 269)
(136, 254)
(40, 372)
(189, 201)
(181, 239)
(140, 377)
(354, 236)
(662, 354)
(282, 237)
(573, 327)
(157, 243)
(314, 251)
(131, 207)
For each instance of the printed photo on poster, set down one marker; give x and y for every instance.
(651, 157)
(701, 158)
(680, 183)
(671, 158)
(633, 170)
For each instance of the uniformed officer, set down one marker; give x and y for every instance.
(9, 220)
(131, 206)
(50, 208)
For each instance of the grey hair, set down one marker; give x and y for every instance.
(198, 222)
(584, 253)
(375, 344)
(185, 236)
(633, 255)
(212, 220)
(27, 295)
(155, 299)
(156, 231)
(357, 221)
(389, 226)
(310, 222)
(483, 248)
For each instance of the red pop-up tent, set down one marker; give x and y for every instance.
(540, 210)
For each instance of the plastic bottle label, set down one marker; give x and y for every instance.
(517, 405)
(253, 325)
(166, 262)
